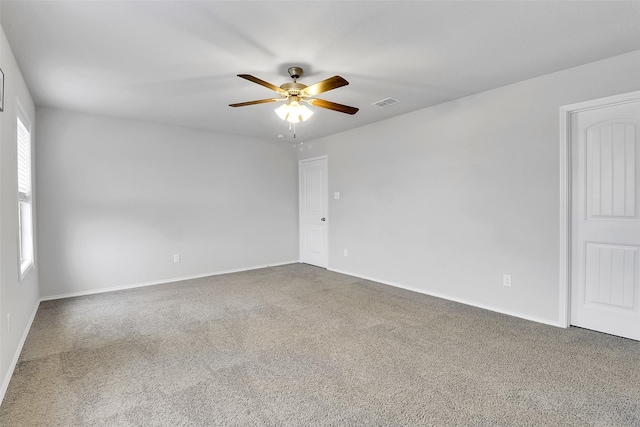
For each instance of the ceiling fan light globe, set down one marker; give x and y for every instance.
(293, 112)
(282, 111)
(305, 113)
(292, 118)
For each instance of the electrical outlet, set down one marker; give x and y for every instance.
(176, 257)
(346, 252)
(9, 323)
(506, 280)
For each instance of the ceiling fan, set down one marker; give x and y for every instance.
(295, 93)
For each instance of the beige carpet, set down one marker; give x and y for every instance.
(300, 346)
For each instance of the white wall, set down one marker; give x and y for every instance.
(118, 198)
(17, 298)
(447, 199)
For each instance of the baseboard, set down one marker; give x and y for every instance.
(163, 281)
(452, 298)
(16, 356)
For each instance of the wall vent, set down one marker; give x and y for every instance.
(387, 102)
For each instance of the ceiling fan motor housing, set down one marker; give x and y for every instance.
(293, 88)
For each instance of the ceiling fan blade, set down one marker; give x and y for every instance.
(261, 82)
(333, 106)
(259, 101)
(325, 85)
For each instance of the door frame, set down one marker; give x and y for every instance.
(326, 179)
(564, 319)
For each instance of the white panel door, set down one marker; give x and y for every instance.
(313, 212)
(605, 222)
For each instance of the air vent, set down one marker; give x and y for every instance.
(384, 103)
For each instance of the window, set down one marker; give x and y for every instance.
(25, 223)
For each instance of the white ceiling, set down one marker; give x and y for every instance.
(175, 62)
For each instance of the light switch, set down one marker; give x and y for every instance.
(336, 195)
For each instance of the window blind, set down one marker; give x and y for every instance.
(24, 161)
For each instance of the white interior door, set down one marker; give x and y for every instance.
(313, 211)
(605, 220)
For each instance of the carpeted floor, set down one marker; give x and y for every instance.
(297, 345)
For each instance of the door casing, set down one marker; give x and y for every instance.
(564, 318)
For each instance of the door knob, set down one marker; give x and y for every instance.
(323, 219)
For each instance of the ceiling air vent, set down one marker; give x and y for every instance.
(384, 103)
